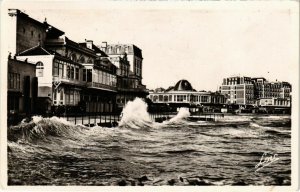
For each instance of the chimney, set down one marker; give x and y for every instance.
(89, 44)
(104, 46)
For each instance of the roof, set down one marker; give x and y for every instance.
(133, 51)
(183, 85)
(95, 49)
(137, 51)
(37, 50)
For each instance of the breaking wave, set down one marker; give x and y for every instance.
(41, 128)
(135, 115)
(182, 115)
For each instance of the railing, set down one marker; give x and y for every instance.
(101, 86)
(67, 80)
(105, 119)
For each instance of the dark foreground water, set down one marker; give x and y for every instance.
(139, 152)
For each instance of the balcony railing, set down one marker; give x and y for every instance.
(101, 86)
(68, 80)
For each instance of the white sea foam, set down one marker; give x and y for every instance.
(182, 114)
(135, 115)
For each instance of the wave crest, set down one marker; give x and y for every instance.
(135, 115)
(40, 128)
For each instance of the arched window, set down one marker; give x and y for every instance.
(155, 98)
(82, 60)
(90, 60)
(73, 57)
(166, 98)
(39, 69)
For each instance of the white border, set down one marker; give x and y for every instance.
(139, 4)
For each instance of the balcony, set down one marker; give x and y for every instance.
(94, 85)
(138, 89)
(68, 81)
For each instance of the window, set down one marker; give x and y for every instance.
(72, 72)
(160, 97)
(84, 75)
(55, 95)
(82, 60)
(62, 95)
(166, 98)
(40, 69)
(90, 60)
(100, 77)
(71, 97)
(60, 69)
(68, 71)
(73, 57)
(77, 73)
(13, 81)
(55, 68)
(89, 75)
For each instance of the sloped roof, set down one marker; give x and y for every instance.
(37, 50)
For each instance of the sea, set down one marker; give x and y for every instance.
(234, 150)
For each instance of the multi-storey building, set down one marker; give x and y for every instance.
(239, 90)
(256, 91)
(265, 89)
(128, 58)
(69, 73)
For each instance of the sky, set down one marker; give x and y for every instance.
(202, 45)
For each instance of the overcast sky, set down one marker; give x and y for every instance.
(200, 45)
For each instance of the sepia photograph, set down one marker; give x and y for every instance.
(150, 93)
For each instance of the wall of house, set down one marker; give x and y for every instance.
(45, 81)
(18, 72)
(29, 33)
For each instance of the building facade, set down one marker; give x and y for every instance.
(78, 76)
(257, 91)
(239, 90)
(128, 59)
(183, 94)
(21, 87)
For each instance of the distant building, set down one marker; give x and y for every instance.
(128, 58)
(239, 90)
(276, 89)
(256, 91)
(183, 94)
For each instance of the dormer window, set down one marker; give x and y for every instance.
(39, 69)
(82, 60)
(73, 58)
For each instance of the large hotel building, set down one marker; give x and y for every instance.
(243, 91)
